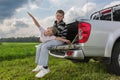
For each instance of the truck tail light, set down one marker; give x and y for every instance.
(69, 53)
(84, 31)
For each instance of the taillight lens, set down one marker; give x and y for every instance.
(84, 31)
(69, 53)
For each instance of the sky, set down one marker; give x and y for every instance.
(15, 22)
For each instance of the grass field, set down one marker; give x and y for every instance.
(17, 61)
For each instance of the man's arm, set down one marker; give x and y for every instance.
(35, 21)
(62, 39)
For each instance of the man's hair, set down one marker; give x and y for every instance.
(61, 12)
(54, 30)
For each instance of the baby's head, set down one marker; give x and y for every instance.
(50, 31)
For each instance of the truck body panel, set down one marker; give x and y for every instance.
(102, 38)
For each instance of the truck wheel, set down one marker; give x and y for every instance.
(114, 66)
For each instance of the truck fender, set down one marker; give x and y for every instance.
(110, 42)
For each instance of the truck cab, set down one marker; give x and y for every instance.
(110, 14)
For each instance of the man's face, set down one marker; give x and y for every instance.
(59, 17)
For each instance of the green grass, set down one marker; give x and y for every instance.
(10, 51)
(18, 66)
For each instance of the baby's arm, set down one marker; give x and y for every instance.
(62, 39)
(35, 21)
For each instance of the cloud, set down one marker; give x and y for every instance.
(15, 23)
(47, 22)
(112, 4)
(25, 32)
(66, 4)
(23, 27)
(58, 2)
(21, 24)
(8, 7)
(30, 5)
(17, 28)
(34, 4)
(2, 34)
(88, 7)
(21, 9)
(9, 24)
(74, 9)
(75, 13)
(6, 25)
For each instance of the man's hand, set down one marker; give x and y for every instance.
(67, 41)
(63, 40)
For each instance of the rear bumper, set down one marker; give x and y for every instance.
(67, 51)
(77, 54)
(71, 54)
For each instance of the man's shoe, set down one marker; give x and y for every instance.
(42, 73)
(38, 68)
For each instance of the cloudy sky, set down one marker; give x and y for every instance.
(14, 21)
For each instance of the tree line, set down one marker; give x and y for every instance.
(20, 39)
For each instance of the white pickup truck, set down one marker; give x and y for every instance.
(98, 37)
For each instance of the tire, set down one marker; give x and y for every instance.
(114, 66)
